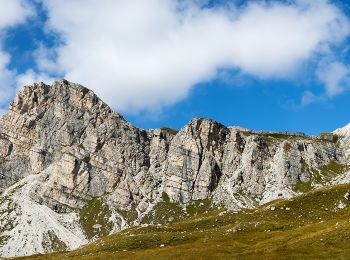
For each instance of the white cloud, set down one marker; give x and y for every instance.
(30, 77)
(308, 98)
(12, 12)
(335, 77)
(146, 54)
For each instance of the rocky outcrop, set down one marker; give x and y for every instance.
(343, 136)
(90, 149)
(70, 147)
(194, 162)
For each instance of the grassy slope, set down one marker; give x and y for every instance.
(310, 226)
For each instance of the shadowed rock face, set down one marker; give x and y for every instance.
(76, 148)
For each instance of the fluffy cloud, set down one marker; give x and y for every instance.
(335, 76)
(30, 77)
(148, 53)
(12, 12)
(308, 98)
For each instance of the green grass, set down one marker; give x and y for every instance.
(165, 197)
(280, 136)
(332, 169)
(272, 135)
(301, 186)
(94, 218)
(166, 212)
(129, 215)
(310, 226)
(328, 172)
(169, 130)
(52, 242)
(287, 147)
(321, 176)
(276, 138)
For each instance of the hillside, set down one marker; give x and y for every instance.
(315, 225)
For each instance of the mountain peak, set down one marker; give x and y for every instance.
(343, 131)
(60, 92)
(68, 160)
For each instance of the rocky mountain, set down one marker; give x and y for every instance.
(72, 170)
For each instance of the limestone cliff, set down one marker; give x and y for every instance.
(62, 150)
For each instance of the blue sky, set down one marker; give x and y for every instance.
(271, 65)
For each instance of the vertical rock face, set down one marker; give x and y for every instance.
(61, 147)
(194, 161)
(259, 168)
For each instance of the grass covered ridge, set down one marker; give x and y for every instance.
(322, 176)
(315, 225)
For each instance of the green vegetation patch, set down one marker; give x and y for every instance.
(333, 168)
(169, 130)
(52, 243)
(166, 212)
(129, 215)
(278, 135)
(320, 176)
(94, 218)
(275, 138)
(287, 147)
(334, 138)
(198, 207)
(165, 197)
(328, 172)
(4, 239)
(301, 186)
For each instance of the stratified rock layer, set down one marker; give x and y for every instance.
(70, 147)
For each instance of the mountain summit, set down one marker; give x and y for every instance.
(72, 170)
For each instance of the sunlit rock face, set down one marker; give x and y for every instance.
(61, 147)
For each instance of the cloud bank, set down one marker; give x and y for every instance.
(146, 54)
(149, 53)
